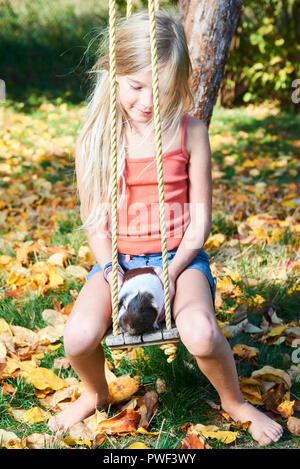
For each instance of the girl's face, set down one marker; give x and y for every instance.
(136, 95)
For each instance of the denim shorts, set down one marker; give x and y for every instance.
(128, 261)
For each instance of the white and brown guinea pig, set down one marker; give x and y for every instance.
(141, 300)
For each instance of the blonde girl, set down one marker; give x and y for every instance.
(188, 201)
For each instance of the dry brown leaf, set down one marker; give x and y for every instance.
(293, 425)
(250, 389)
(192, 442)
(244, 351)
(43, 440)
(8, 389)
(93, 421)
(23, 336)
(125, 422)
(148, 408)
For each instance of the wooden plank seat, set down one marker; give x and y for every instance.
(154, 337)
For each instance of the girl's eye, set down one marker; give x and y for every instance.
(135, 87)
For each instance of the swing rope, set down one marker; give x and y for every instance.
(153, 5)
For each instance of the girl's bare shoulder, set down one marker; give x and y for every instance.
(196, 128)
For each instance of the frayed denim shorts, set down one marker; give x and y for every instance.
(128, 261)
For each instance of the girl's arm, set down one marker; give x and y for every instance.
(200, 198)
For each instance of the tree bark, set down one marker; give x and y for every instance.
(209, 27)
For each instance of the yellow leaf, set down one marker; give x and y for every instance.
(4, 327)
(55, 279)
(145, 432)
(70, 441)
(215, 240)
(4, 260)
(42, 379)
(122, 388)
(34, 415)
(286, 408)
(76, 271)
(226, 437)
(138, 445)
(276, 331)
(54, 347)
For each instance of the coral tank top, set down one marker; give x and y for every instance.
(138, 216)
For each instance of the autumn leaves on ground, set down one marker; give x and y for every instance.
(44, 261)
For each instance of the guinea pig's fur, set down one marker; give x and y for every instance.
(141, 300)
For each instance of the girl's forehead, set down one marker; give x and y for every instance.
(145, 79)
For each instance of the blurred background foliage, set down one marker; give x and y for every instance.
(47, 47)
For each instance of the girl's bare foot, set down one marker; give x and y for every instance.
(263, 429)
(77, 411)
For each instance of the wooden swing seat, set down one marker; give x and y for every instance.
(154, 337)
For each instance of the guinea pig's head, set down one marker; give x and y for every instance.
(138, 313)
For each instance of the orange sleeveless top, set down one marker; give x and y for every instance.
(138, 215)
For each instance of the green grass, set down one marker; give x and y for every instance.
(187, 388)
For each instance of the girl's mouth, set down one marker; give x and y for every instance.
(143, 113)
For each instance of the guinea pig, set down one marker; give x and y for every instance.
(141, 300)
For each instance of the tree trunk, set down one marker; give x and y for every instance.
(209, 27)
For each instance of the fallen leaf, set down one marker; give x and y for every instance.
(43, 441)
(46, 380)
(124, 422)
(148, 407)
(192, 442)
(285, 408)
(138, 445)
(122, 388)
(268, 373)
(293, 425)
(250, 389)
(8, 439)
(241, 425)
(226, 437)
(273, 397)
(160, 386)
(244, 351)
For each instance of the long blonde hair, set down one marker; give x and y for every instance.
(133, 55)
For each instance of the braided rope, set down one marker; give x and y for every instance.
(152, 6)
(129, 8)
(160, 176)
(113, 145)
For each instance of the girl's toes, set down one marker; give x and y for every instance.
(265, 441)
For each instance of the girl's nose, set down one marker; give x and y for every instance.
(147, 100)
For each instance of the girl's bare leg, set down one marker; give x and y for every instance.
(85, 328)
(199, 331)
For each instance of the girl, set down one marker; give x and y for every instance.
(188, 201)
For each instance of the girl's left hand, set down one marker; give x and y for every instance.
(172, 288)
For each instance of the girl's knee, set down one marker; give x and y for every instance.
(201, 337)
(81, 337)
